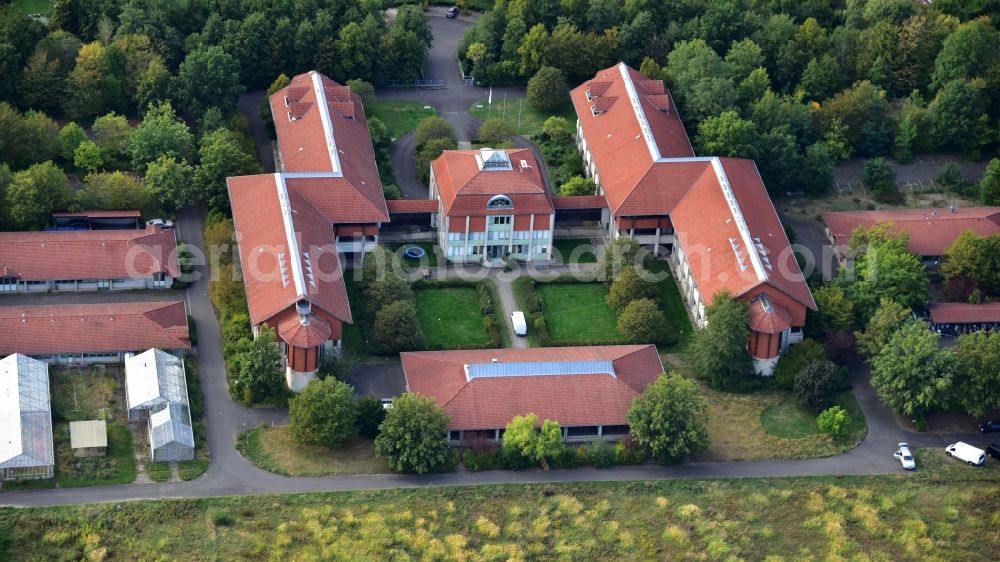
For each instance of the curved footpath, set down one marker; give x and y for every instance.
(229, 473)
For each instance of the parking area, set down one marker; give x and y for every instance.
(379, 380)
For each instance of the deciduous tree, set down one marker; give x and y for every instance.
(34, 193)
(208, 77)
(888, 318)
(161, 133)
(642, 321)
(412, 438)
(910, 374)
(668, 419)
(495, 132)
(325, 413)
(578, 185)
(989, 186)
(836, 312)
(818, 383)
(171, 181)
(719, 349)
(547, 89)
(220, 156)
(977, 376)
(539, 445)
(256, 368)
(628, 286)
(397, 328)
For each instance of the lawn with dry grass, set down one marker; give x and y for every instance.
(274, 450)
(939, 513)
(768, 425)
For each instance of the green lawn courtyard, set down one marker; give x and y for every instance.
(400, 117)
(576, 314)
(574, 250)
(524, 119)
(450, 318)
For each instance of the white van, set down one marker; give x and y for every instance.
(520, 326)
(967, 453)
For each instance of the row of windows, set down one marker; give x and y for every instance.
(501, 235)
(457, 251)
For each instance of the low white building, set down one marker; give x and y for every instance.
(26, 449)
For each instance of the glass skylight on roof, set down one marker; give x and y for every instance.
(538, 369)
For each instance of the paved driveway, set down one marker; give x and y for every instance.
(378, 380)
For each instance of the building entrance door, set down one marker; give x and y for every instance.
(494, 252)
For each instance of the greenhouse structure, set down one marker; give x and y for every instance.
(156, 389)
(26, 450)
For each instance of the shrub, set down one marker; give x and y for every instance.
(370, 416)
(600, 454)
(385, 291)
(951, 178)
(221, 518)
(495, 132)
(879, 178)
(481, 454)
(569, 457)
(626, 452)
(818, 383)
(834, 421)
(799, 356)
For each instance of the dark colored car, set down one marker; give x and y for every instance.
(993, 450)
(990, 427)
(452, 12)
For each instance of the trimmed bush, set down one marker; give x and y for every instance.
(834, 421)
(818, 383)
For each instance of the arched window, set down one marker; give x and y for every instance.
(499, 202)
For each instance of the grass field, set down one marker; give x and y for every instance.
(568, 252)
(33, 6)
(531, 119)
(410, 264)
(450, 318)
(400, 117)
(575, 313)
(941, 512)
(273, 449)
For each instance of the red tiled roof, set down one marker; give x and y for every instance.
(464, 189)
(709, 234)
(304, 148)
(403, 206)
(931, 231)
(260, 228)
(580, 202)
(103, 214)
(93, 328)
(337, 200)
(90, 254)
(964, 313)
(767, 317)
(570, 399)
(294, 332)
(617, 144)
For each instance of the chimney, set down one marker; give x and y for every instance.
(952, 208)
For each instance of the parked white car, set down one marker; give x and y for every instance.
(165, 224)
(965, 452)
(904, 457)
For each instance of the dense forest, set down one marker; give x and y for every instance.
(137, 99)
(798, 86)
